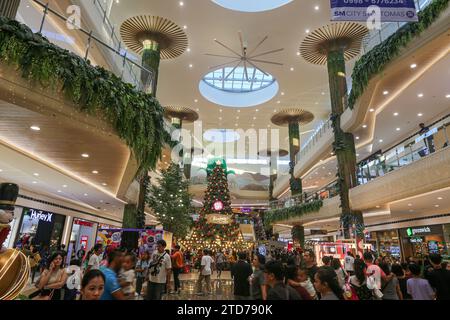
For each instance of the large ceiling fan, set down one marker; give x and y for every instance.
(244, 58)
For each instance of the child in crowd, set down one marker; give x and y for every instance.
(127, 276)
(306, 283)
(142, 271)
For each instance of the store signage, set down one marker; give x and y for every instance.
(83, 223)
(218, 219)
(416, 240)
(365, 10)
(413, 231)
(41, 215)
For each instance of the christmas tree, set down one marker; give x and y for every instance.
(171, 201)
(216, 227)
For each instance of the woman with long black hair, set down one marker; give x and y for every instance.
(326, 283)
(53, 278)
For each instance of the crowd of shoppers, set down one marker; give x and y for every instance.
(279, 275)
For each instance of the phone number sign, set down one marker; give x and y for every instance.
(382, 10)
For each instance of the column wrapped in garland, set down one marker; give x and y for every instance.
(293, 118)
(332, 45)
(274, 155)
(8, 8)
(154, 38)
(177, 117)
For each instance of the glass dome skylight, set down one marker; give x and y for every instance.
(251, 5)
(238, 81)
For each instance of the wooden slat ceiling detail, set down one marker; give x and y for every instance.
(61, 144)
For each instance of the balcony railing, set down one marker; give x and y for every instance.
(87, 44)
(312, 141)
(417, 146)
(431, 139)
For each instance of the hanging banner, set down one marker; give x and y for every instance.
(365, 10)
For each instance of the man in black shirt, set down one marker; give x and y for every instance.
(241, 271)
(439, 278)
(278, 290)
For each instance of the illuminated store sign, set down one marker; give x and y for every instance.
(41, 215)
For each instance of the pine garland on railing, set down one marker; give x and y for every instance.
(297, 211)
(373, 62)
(137, 117)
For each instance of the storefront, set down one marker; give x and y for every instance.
(82, 237)
(424, 240)
(387, 243)
(40, 227)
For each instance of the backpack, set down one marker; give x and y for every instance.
(362, 292)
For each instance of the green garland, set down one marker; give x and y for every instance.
(136, 116)
(283, 214)
(373, 62)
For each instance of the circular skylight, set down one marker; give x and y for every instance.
(237, 87)
(221, 135)
(251, 5)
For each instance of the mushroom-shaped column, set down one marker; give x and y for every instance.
(273, 155)
(154, 38)
(332, 45)
(293, 118)
(177, 116)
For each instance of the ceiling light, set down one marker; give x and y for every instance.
(372, 110)
(95, 172)
(64, 186)
(357, 138)
(85, 194)
(380, 141)
(220, 110)
(395, 114)
(316, 8)
(364, 126)
(85, 155)
(254, 118)
(35, 128)
(257, 110)
(36, 174)
(307, 30)
(298, 53)
(1, 170)
(188, 49)
(181, 3)
(436, 205)
(420, 114)
(385, 93)
(440, 198)
(292, 68)
(59, 191)
(278, 102)
(185, 27)
(239, 111)
(323, 93)
(34, 182)
(104, 184)
(409, 204)
(413, 66)
(448, 96)
(191, 66)
(398, 129)
(220, 118)
(196, 100)
(420, 95)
